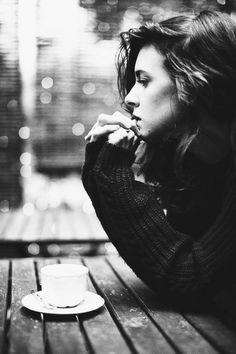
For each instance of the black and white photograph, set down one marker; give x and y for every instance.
(117, 177)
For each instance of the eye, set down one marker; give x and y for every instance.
(143, 82)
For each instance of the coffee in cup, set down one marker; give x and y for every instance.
(64, 285)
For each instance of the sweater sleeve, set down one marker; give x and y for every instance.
(170, 262)
(91, 155)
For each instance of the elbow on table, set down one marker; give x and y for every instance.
(184, 292)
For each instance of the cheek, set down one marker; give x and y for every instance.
(165, 110)
(162, 117)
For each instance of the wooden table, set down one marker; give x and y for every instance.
(133, 319)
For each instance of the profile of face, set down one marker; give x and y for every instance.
(153, 97)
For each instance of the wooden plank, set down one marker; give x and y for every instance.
(174, 325)
(25, 333)
(207, 323)
(4, 271)
(139, 330)
(14, 227)
(5, 218)
(80, 225)
(62, 333)
(88, 226)
(57, 224)
(100, 329)
(64, 225)
(32, 228)
(214, 330)
(48, 226)
(97, 230)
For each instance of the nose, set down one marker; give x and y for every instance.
(131, 100)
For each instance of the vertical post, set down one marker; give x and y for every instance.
(27, 48)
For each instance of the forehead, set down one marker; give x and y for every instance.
(149, 59)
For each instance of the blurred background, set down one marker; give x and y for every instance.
(57, 74)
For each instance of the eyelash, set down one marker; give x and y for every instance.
(143, 82)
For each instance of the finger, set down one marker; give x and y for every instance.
(118, 118)
(127, 122)
(96, 129)
(123, 138)
(90, 132)
(104, 119)
(135, 143)
(117, 136)
(98, 132)
(124, 122)
(130, 135)
(132, 141)
(103, 131)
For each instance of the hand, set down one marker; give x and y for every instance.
(125, 139)
(107, 124)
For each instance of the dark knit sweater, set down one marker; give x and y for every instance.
(186, 254)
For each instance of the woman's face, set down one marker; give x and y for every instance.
(153, 98)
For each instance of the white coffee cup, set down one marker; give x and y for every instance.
(64, 285)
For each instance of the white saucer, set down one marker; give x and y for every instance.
(91, 302)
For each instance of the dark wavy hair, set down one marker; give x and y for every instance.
(200, 56)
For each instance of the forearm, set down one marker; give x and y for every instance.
(160, 255)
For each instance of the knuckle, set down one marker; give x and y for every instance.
(121, 132)
(112, 128)
(121, 118)
(117, 114)
(100, 119)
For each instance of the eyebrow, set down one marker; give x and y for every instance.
(139, 72)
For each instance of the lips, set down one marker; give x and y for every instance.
(135, 118)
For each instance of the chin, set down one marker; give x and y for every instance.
(152, 139)
(148, 139)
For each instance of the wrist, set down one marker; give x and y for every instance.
(112, 156)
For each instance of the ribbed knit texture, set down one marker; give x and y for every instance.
(171, 262)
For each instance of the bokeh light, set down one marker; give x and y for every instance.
(103, 27)
(24, 133)
(47, 82)
(28, 209)
(26, 158)
(78, 129)
(41, 203)
(54, 249)
(3, 141)
(26, 171)
(34, 249)
(4, 206)
(109, 100)
(45, 97)
(12, 104)
(89, 88)
(112, 2)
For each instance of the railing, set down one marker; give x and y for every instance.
(55, 231)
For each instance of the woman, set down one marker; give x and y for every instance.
(162, 180)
